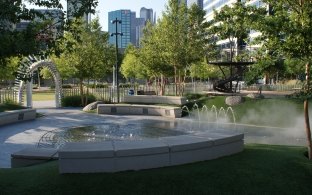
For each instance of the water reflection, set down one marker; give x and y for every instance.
(156, 128)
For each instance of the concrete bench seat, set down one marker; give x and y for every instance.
(136, 109)
(114, 156)
(141, 92)
(155, 99)
(32, 156)
(14, 116)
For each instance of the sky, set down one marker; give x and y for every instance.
(106, 6)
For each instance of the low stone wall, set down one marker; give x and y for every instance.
(17, 116)
(154, 99)
(114, 156)
(132, 109)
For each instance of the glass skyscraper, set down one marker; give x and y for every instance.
(147, 14)
(124, 27)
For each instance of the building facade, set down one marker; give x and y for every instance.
(53, 30)
(147, 15)
(124, 27)
(200, 3)
(72, 7)
(56, 21)
(131, 26)
(140, 25)
(210, 5)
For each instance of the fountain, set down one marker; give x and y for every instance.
(205, 119)
(203, 134)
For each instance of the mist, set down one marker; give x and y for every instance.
(280, 124)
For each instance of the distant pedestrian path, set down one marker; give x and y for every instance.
(43, 104)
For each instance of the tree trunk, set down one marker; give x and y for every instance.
(307, 127)
(179, 81)
(306, 114)
(162, 85)
(81, 91)
(175, 80)
(86, 101)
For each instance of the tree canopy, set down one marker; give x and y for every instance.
(23, 43)
(178, 40)
(86, 52)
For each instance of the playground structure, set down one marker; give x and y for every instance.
(237, 70)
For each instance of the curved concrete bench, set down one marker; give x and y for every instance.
(135, 109)
(14, 116)
(114, 156)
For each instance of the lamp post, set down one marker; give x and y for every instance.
(115, 74)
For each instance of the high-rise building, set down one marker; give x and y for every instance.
(200, 3)
(54, 28)
(123, 27)
(56, 18)
(140, 24)
(147, 15)
(133, 25)
(72, 7)
(210, 5)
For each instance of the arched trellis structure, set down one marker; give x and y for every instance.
(56, 77)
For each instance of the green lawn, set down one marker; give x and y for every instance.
(259, 169)
(43, 96)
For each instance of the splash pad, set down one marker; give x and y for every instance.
(113, 155)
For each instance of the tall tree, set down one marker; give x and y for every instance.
(153, 57)
(173, 26)
(132, 67)
(231, 24)
(287, 32)
(183, 38)
(86, 53)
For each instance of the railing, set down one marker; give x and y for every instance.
(108, 94)
(273, 87)
(8, 94)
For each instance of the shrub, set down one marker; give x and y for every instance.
(195, 96)
(9, 101)
(67, 86)
(97, 86)
(9, 104)
(63, 86)
(125, 85)
(75, 101)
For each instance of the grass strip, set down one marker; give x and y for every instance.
(259, 169)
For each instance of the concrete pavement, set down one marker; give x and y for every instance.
(15, 137)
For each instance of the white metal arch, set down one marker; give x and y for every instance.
(56, 77)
